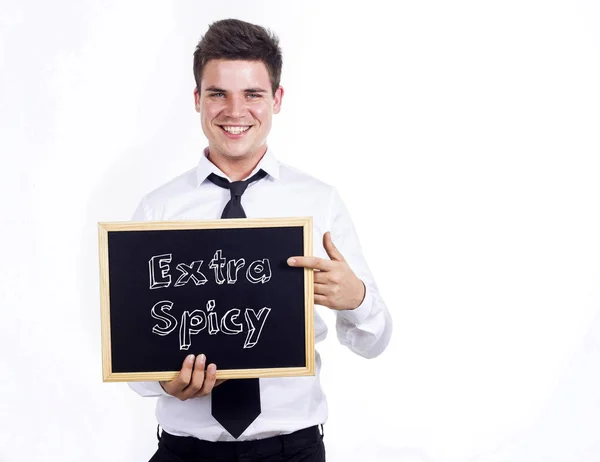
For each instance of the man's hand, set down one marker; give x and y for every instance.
(193, 381)
(336, 285)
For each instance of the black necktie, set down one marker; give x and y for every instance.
(233, 208)
(236, 402)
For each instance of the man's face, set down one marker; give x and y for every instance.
(236, 105)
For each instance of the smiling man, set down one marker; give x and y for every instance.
(236, 103)
(237, 68)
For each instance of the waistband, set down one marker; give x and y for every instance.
(189, 446)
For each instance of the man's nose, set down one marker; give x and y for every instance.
(236, 107)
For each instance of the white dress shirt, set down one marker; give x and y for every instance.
(288, 403)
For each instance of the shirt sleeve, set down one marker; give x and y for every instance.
(143, 213)
(148, 389)
(367, 329)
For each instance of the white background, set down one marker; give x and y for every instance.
(464, 138)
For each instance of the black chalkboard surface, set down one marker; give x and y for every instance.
(222, 288)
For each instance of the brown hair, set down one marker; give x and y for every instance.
(239, 40)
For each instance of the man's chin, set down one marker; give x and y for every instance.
(237, 149)
(234, 152)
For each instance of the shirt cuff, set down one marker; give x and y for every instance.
(361, 313)
(148, 388)
(160, 389)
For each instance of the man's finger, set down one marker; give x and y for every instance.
(331, 249)
(197, 377)
(321, 289)
(185, 375)
(209, 380)
(320, 300)
(321, 277)
(311, 262)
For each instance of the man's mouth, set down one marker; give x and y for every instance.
(235, 129)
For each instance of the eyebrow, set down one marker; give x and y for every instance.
(247, 90)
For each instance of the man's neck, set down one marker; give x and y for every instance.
(236, 168)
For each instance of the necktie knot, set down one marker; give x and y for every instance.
(237, 188)
(234, 209)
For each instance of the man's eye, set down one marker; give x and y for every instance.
(253, 95)
(218, 94)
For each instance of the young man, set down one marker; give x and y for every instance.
(237, 67)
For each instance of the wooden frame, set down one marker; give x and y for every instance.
(105, 227)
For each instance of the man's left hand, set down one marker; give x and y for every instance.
(336, 285)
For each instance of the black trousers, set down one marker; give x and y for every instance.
(302, 446)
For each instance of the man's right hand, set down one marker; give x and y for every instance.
(193, 381)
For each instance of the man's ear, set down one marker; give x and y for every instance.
(197, 99)
(277, 98)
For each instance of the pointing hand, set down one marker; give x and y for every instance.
(336, 285)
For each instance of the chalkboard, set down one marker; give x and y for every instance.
(223, 288)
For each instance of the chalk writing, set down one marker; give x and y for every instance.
(259, 271)
(159, 271)
(193, 322)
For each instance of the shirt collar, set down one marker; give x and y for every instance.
(268, 163)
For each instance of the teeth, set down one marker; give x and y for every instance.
(235, 130)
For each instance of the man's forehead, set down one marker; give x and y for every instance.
(237, 74)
